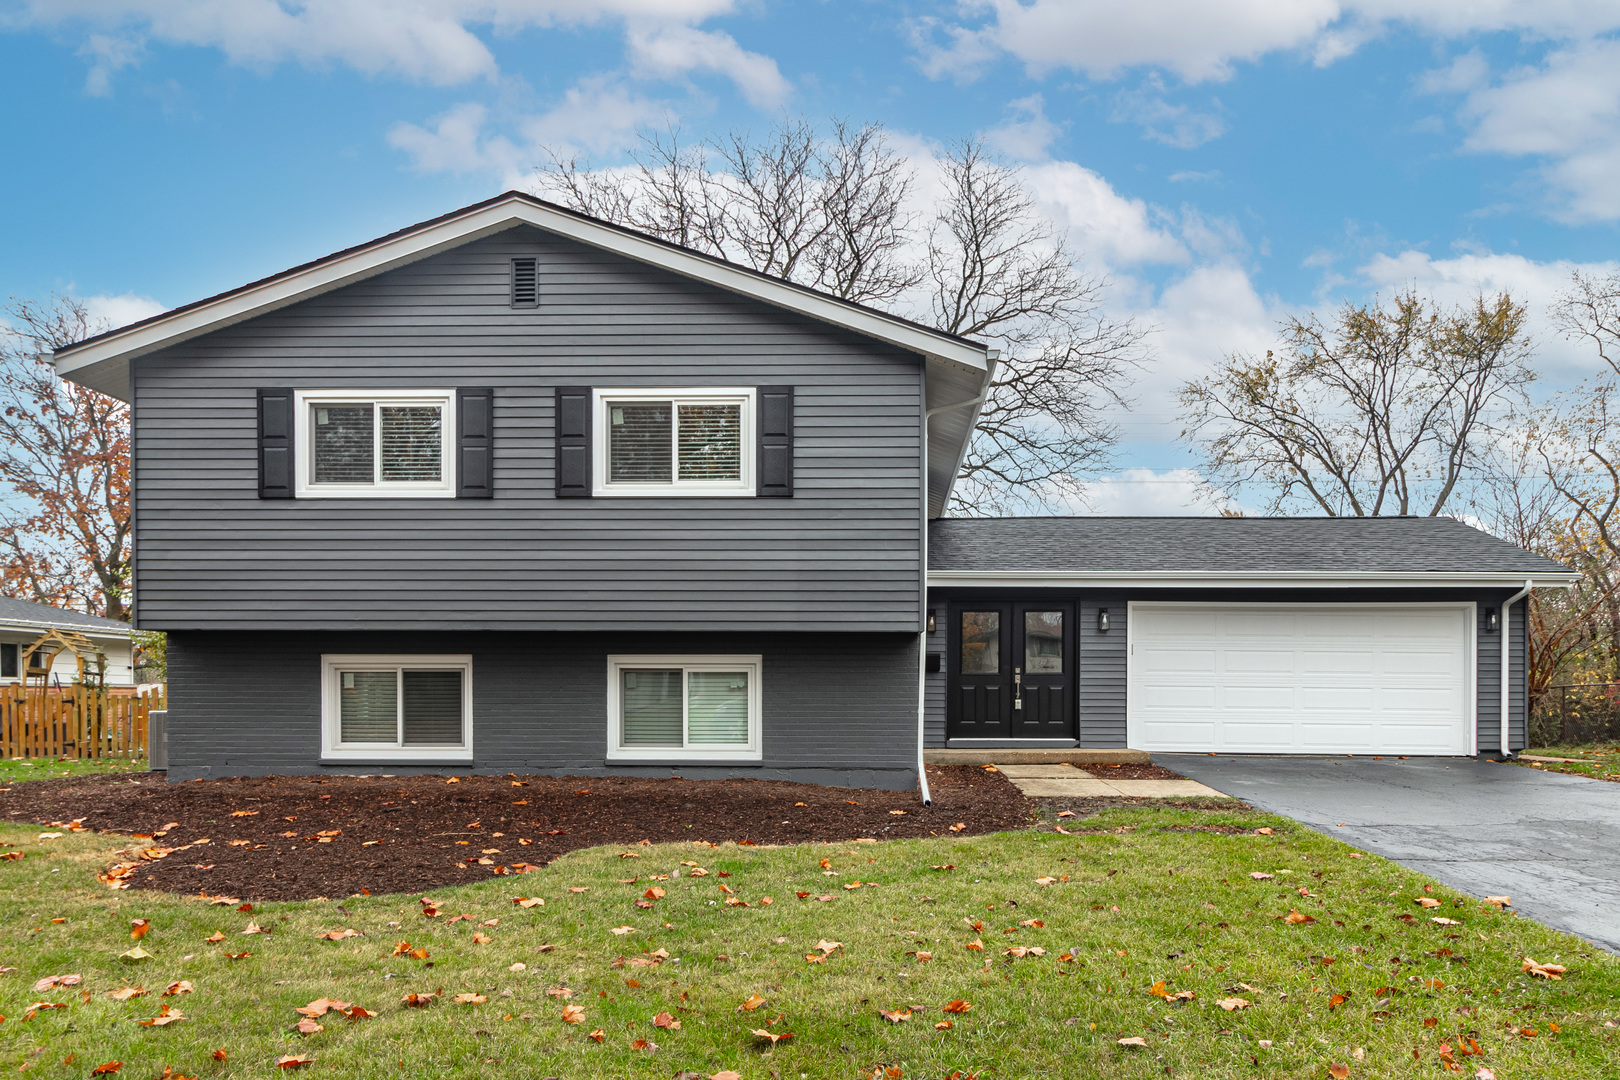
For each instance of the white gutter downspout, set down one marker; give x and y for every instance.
(1507, 671)
(922, 691)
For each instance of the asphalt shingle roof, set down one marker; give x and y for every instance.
(1123, 545)
(23, 611)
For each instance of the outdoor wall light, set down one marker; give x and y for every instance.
(930, 622)
(1493, 620)
(1102, 620)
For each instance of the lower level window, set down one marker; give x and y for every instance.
(397, 707)
(700, 707)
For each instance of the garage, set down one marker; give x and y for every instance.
(1304, 678)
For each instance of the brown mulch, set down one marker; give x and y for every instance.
(412, 833)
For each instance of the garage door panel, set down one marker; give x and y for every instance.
(1278, 679)
(1171, 660)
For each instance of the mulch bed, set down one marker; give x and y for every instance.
(412, 833)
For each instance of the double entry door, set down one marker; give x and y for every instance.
(1012, 670)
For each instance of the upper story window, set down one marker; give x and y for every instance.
(375, 443)
(674, 442)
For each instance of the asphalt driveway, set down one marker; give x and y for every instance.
(1547, 840)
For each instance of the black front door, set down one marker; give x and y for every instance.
(1011, 671)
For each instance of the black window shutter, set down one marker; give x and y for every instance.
(275, 444)
(573, 442)
(475, 444)
(776, 441)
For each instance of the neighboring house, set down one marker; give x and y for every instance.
(517, 490)
(22, 622)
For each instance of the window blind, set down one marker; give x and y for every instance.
(717, 707)
(343, 444)
(639, 442)
(412, 442)
(433, 710)
(709, 441)
(650, 704)
(368, 706)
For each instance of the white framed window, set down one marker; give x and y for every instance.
(665, 708)
(396, 708)
(375, 443)
(673, 442)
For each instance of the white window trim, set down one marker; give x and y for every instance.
(617, 751)
(743, 485)
(334, 750)
(304, 444)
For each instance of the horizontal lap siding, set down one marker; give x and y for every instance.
(836, 709)
(843, 553)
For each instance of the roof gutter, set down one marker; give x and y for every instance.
(1507, 672)
(1247, 579)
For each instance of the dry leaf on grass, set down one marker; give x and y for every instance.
(666, 1021)
(754, 1001)
(50, 982)
(1232, 1004)
(573, 1014)
(107, 1068)
(773, 1037)
(310, 1026)
(339, 935)
(1544, 971)
(321, 1006)
(139, 927)
(1426, 901)
(957, 1006)
(1296, 918)
(293, 1061)
(897, 1016)
(126, 993)
(167, 1016)
(1134, 1040)
(419, 1001)
(1260, 875)
(944, 1025)
(469, 999)
(1338, 1071)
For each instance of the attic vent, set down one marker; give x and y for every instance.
(525, 283)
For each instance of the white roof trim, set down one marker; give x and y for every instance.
(87, 631)
(1280, 579)
(492, 217)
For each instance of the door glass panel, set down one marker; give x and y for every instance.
(981, 642)
(1043, 642)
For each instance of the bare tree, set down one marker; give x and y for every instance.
(64, 470)
(1384, 412)
(997, 270)
(1581, 449)
(835, 213)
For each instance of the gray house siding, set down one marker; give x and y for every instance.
(1103, 656)
(844, 553)
(835, 709)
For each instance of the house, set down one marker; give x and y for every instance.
(22, 623)
(518, 490)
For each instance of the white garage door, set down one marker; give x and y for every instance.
(1327, 679)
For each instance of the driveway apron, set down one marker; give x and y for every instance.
(1545, 839)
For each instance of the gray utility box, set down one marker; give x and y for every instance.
(157, 740)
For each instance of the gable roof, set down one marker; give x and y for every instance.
(958, 370)
(45, 617)
(1246, 552)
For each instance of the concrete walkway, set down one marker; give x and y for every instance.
(1545, 839)
(1061, 781)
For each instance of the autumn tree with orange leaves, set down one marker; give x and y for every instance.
(64, 469)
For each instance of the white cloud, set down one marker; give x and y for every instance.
(1180, 126)
(1026, 134)
(121, 310)
(107, 54)
(597, 116)
(1100, 223)
(430, 41)
(1200, 41)
(671, 52)
(1146, 493)
(1567, 110)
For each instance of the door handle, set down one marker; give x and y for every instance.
(1018, 688)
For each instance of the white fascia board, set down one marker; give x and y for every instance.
(1301, 579)
(369, 261)
(87, 631)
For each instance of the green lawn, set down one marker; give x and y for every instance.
(1601, 761)
(1137, 897)
(14, 769)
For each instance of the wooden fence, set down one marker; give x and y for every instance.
(75, 722)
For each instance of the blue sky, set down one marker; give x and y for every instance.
(1224, 164)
